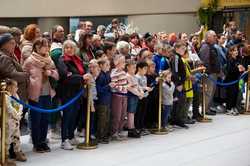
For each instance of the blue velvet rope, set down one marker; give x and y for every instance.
(225, 84)
(37, 109)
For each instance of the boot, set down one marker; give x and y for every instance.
(20, 156)
(132, 133)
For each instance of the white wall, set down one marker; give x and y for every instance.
(66, 8)
(165, 22)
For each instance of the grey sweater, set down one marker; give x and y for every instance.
(167, 93)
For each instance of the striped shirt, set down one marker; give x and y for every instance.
(120, 80)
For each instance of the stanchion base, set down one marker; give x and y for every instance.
(161, 131)
(85, 146)
(246, 113)
(205, 120)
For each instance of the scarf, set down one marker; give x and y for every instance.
(44, 62)
(76, 60)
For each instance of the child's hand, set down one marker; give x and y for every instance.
(141, 95)
(69, 74)
(87, 78)
(149, 89)
(112, 84)
(241, 68)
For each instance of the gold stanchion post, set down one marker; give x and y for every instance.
(247, 112)
(203, 106)
(87, 144)
(3, 122)
(160, 130)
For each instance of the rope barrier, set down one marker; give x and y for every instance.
(227, 83)
(37, 109)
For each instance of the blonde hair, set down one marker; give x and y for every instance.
(69, 43)
(117, 59)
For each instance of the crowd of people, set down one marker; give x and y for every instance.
(122, 70)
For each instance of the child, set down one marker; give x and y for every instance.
(119, 98)
(167, 97)
(135, 92)
(14, 116)
(141, 109)
(153, 97)
(103, 86)
(41, 68)
(234, 69)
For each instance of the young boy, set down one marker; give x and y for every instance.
(119, 98)
(14, 116)
(142, 105)
(103, 104)
(135, 92)
(167, 97)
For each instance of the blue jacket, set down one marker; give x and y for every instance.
(161, 63)
(103, 89)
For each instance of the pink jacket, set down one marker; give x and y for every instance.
(36, 78)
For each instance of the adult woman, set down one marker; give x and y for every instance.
(40, 67)
(31, 33)
(135, 44)
(85, 48)
(72, 77)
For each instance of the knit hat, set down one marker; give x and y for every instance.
(4, 38)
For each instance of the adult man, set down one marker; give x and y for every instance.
(210, 59)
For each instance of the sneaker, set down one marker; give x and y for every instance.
(66, 145)
(182, 125)
(46, 147)
(74, 142)
(103, 140)
(39, 149)
(20, 156)
(117, 137)
(81, 133)
(170, 128)
(236, 112)
(230, 112)
(92, 137)
(144, 132)
(132, 133)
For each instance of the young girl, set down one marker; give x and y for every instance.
(167, 97)
(119, 100)
(134, 93)
(14, 116)
(40, 67)
(234, 70)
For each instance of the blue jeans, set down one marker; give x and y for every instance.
(40, 121)
(165, 114)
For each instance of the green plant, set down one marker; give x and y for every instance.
(206, 13)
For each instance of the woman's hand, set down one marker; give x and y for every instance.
(241, 68)
(48, 72)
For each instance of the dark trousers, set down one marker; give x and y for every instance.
(141, 114)
(69, 121)
(55, 117)
(196, 104)
(165, 114)
(39, 121)
(103, 114)
(232, 94)
(178, 113)
(151, 118)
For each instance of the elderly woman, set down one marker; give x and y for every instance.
(9, 66)
(72, 78)
(31, 33)
(123, 48)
